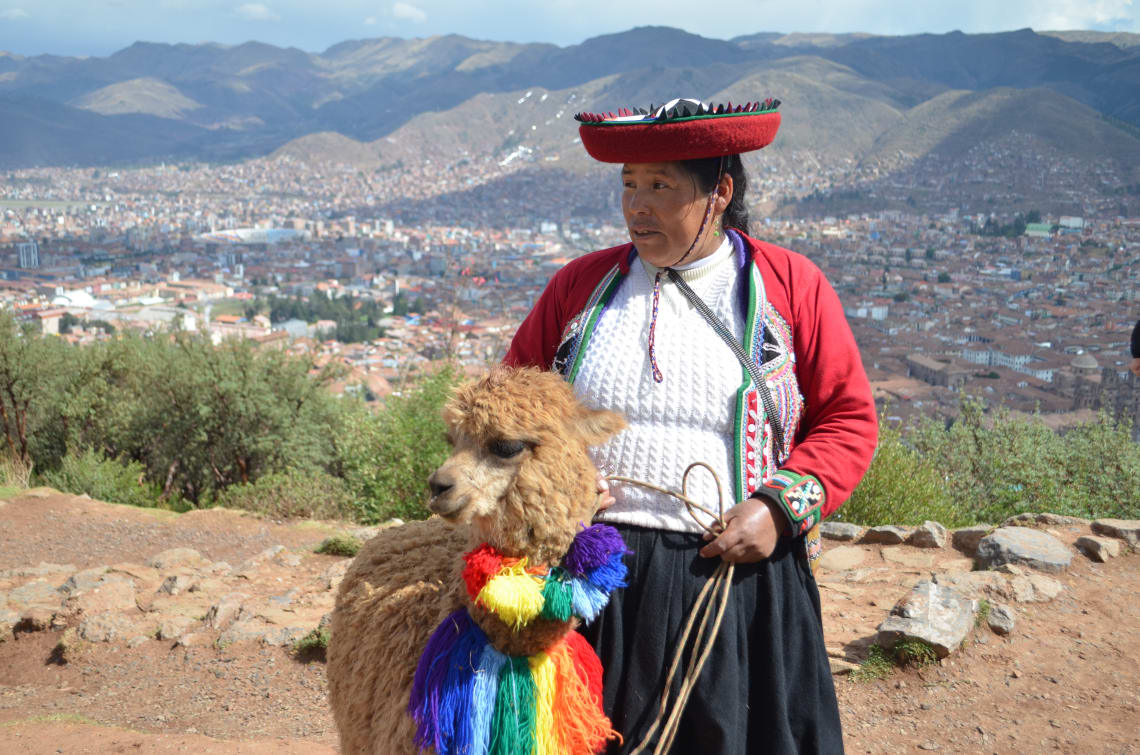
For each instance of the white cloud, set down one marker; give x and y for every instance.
(407, 12)
(1082, 14)
(370, 21)
(256, 12)
(13, 14)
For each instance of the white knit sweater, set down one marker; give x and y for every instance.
(689, 416)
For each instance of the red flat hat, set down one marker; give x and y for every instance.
(679, 130)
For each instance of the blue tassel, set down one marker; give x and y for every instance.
(455, 701)
(483, 698)
(588, 600)
(610, 575)
(424, 705)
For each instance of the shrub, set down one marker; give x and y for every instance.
(877, 665)
(340, 545)
(104, 479)
(909, 651)
(901, 487)
(14, 472)
(313, 645)
(292, 494)
(387, 457)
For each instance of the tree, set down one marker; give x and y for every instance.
(30, 369)
(944, 277)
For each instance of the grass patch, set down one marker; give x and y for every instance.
(9, 491)
(911, 652)
(58, 718)
(983, 613)
(340, 545)
(877, 665)
(312, 646)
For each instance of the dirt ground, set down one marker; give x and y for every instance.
(1066, 679)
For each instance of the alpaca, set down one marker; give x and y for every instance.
(518, 479)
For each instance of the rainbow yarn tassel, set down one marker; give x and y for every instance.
(470, 699)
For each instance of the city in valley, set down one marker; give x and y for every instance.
(947, 293)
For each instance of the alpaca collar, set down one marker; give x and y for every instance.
(518, 593)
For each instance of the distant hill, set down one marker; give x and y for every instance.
(845, 95)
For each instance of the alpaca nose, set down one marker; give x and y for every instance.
(438, 486)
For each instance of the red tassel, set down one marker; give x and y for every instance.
(482, 563)
(586, 663)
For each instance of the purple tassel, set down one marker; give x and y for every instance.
(456, 728)
(610, 575)
(592, 547)
(431, 674)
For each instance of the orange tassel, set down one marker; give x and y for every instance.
(580, 724)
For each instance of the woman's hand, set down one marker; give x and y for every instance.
(752, 529)
(605, 500)
(1135, 366)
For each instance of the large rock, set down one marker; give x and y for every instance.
(1043, 520)
(887, 534)
(173, 557)
(967, 538)
(933, 613)
(840, 531)
(106, 627)
(907, 557)
(841, 558)
(978, 584)
(43, 570)
(1034, 588)
(1127, 530)
(111, 594)
(1021, 545)
(928, 535)
(173, 627)
(38, 592)
(83, 580)
(1098, 548)
(226, 611)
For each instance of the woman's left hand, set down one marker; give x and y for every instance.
(752, 529)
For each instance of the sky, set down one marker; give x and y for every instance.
(100, 27)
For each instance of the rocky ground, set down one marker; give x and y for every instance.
(128, 630)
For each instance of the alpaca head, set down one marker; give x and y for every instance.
(518, 473)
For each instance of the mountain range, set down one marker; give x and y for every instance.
(373, 102)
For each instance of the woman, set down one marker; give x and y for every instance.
(619, 324)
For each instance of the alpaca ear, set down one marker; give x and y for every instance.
(597, 425)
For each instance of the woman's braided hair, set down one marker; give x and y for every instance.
(706, 172)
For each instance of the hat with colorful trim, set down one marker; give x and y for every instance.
(682, 129)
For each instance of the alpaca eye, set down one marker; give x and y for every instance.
(506, 449)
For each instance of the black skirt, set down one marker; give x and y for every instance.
(765, 688)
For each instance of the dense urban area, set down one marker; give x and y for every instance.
(388, 270)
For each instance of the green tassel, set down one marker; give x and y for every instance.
(512, 728)
(557, 596)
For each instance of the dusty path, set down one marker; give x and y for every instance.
(1066, 679)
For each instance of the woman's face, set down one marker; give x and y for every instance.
(664, 207)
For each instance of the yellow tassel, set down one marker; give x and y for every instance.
(545, 676)
(513, 595)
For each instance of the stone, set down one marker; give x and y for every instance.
(928, 535)
(1021, 545)
(83, 580)
(841, 558)
(933, 613)
(106, 627)
(292, 560)
(977, 584)
(1001, 619)
(173, 627)
(173, 557)
(246, 630)
(887, 534)
(966, 539)
(113, 594)
(8, 621)
(1013, 569)
(1044, 520)
(840, 666)
(957, 565)
(176, 584)
(1127, 530)
(144, 574)
(913, 559)
(43, 570)
(193, 640)
(283, 636)
(1034, 588)
(138, 639)
(226, 611)
(364, 534)
(38, 619)
(1098, 548)
(334, 575)
(840, 531)
(38, 592)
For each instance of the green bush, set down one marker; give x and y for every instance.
(104, 479)
(901, 487)
(292, 494)
(386, 458)
(340, 545)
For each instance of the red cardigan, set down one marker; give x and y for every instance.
(838, 430)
